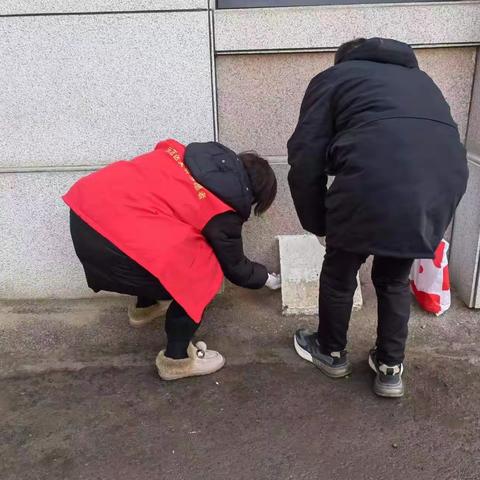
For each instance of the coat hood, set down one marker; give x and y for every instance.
(384, 50)
(218, 169)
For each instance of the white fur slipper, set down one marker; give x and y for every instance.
(200, 361)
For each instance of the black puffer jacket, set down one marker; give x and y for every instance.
(218, 168)
(384, 130)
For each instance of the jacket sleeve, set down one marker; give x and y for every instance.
(224, 233)
(307, 152)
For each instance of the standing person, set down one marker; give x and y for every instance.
(165, 227)
(381, 126)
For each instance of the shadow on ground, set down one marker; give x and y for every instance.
(80, 399)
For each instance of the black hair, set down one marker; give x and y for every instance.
(347, 48)
(262, 178)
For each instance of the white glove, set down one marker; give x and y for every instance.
(274, 281)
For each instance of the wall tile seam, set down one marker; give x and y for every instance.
(57, 169)
(356, 6)
(106, 12)
(228, 14)
(52, 168)
(213, 71)
(272, 160)
(214, 9)
(329, 49)
(472, 157)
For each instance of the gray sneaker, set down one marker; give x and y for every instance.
(388, 380)
(335, 365)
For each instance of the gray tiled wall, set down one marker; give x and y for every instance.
(273, 29)
(86, 90)
(38, 259)
(260, 233)
(465, 254)
(85, 83)
(258, 103)
(473, 137)
(259, 95)
(89, 89)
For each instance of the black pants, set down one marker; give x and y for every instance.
(179, 327)
(108, 268)
(337, 287)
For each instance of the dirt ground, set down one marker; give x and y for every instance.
(80, 398)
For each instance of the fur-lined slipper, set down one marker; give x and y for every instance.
(200, 361)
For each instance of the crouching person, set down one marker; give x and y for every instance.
(381, 126)
(166, 227)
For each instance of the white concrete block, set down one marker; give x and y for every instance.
(301, 259)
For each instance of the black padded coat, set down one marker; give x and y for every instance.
(382, 127)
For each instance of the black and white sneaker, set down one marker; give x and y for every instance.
(388, 380)
(335, 365)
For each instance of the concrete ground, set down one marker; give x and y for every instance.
(80, 399)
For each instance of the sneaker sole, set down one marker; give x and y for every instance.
(328, 371)
(381, 390)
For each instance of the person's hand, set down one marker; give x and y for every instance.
(274, 281)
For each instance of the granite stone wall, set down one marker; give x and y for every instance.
(86, 83)
(465, 254)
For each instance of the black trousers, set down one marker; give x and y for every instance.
(179, 326)
(180, 329)
(337, 287)
(108, 268)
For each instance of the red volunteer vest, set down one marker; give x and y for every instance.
(153, 210)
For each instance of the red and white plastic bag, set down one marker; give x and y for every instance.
(430, 281)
